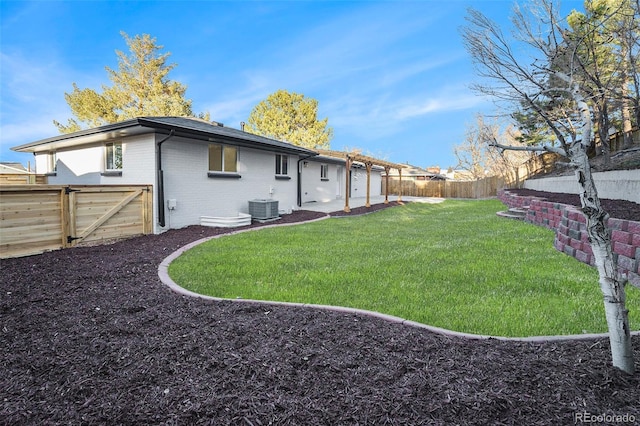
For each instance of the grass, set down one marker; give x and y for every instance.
(453, 265)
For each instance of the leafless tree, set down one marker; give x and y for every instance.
(531, 80)
(476, 155)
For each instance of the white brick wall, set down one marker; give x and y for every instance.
(185, 165)
(315, 189)
(79, 167)
(84, 166)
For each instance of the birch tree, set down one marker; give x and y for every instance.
(538, 81)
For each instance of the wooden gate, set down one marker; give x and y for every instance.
(38, 218)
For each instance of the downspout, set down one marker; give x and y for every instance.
(300, 178)
(161, 217)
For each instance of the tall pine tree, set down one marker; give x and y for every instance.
(292, 118)
(140, 88)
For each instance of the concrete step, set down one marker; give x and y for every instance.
(518, 213)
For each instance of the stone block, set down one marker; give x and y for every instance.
(634, 279)
(575, 225)
(624, 249)
(569, 250)
(618, 224)
(563, 238)
(621, 236)
(576, 244)
(575, 234)
(558, 245)
(633, 227)
(627, 263)
(583, 257)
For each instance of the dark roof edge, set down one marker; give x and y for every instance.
(221, 134)
(227, 134)
(80, 133)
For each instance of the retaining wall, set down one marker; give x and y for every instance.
(614, 185)
(571, 234)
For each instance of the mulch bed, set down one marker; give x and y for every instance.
(89, 335)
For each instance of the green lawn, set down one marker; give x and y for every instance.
(454, 265)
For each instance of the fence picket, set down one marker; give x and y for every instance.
(37, 218)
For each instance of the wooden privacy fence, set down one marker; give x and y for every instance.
(38, 218)
(22, 179)
(482, 188)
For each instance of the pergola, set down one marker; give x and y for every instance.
(369, 162)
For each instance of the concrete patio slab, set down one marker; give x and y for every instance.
(338, 204)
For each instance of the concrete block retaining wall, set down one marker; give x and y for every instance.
(571, 234)
(615, 185)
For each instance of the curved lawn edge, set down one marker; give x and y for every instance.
(163, 274)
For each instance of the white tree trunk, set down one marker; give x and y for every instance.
(611, 284)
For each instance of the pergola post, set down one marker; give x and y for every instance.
(347, 185)
(387, 170)
(369, 162)
(368, 165)
(400, 189)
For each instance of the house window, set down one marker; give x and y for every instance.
(223, 158)
(282, 164)
(324, 172)
(113, 157)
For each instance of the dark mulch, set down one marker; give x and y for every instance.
(90, 336)
(364, 210)
(620, 209)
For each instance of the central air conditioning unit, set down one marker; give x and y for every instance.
(263, 209)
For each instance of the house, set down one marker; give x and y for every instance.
(324, 177)
(199, 168)
(412, 173)
(12, 173)
(196, 167)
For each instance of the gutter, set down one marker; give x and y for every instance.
(300, 177)
(160, 178)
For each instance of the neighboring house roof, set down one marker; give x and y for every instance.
(193, 128)
(417, 172)
(13, 169)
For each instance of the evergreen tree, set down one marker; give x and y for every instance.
(140, 88)
(292, 118)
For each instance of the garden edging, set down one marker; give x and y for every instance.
(163, 274)
(569, 224)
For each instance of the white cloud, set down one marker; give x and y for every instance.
(442, 103)
(32, 97)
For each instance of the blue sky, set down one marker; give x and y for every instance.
(392, 77)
